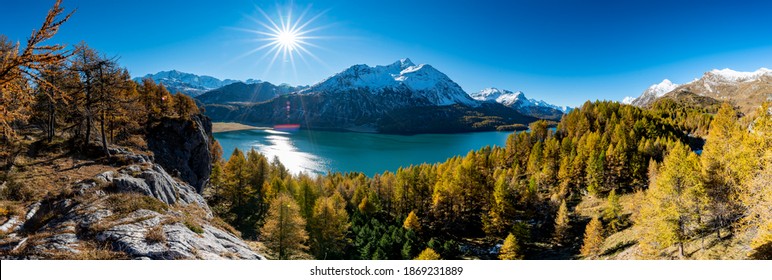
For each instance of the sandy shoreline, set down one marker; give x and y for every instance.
(231, 126)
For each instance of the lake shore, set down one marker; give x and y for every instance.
(232, 126)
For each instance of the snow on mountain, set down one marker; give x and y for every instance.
(421, 81)
(514, 99)
(746, 88)
(653, 92)
(191, 84)
(628, 100)
(730, 75)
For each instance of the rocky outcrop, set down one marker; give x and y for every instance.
(153, 182)
(182, 148)
(136, 212)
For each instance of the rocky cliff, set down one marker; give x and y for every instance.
(182, 148)
(137, 211)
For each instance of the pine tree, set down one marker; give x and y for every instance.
(18, 67)
(561, 223)
(428, 254)
(510, 250)
(284, 231)
(674, 203)
(593, 239)
(412, 222)
(727, 164)
(756, 194)
(328, 228)
(612, 215)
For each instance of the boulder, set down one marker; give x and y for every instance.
(182, 148)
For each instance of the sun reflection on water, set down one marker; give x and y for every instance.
(279, 144)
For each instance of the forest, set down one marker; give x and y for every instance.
(525, 196)
(675, 180)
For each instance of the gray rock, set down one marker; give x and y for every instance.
(182, 147)
(130, 236)
(156, 183)
(10, 225)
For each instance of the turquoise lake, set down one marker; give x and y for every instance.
(319, 152)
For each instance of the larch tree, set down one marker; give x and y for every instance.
(674, 203)
(593, 239)
(727, 164)
(561, 223)
(756, 194)
(328, 228)
(284, 230)
(18, 67)
(612, 214)
(412, 222)
(428, 254)
(510, 250)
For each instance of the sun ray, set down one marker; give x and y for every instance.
(286, 38)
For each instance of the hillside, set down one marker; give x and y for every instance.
(58, 203)
(245, 93)
(745, 90)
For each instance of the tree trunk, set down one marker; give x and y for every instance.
(681, 250)
(104, 136)
(51, 120)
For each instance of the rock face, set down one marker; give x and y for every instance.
(182, 148)
(156, 183)
(137, 212)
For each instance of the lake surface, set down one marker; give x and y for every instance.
(320, 152)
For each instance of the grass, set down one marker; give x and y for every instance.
(155, 234)
(193, 226)
(125, 203)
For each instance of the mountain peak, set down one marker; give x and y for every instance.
(662, 88)
(515, 99)
(422, 82)
(405, 63)
(727, 74)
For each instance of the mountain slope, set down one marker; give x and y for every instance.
(400, 98)
(653, 92)
(417, 82)
(241, 92)
(745, 90)
(187, 83)
(518, 101)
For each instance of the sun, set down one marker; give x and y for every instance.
(287, 39)
(286, 36)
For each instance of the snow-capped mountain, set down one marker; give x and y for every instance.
(513, 99)
(743, 89)
(652, 93)
(522, 104)
(503, 96)
(418, 82)
(187, 83)
(401, 97)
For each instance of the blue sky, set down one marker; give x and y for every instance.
(564, 52)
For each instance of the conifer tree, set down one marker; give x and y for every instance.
(284, 231)
(428, 254)
(412, 222)
(674, 203)
(328, 228)
(593, 239)
(510, 250)
(561, 223)
(612, 214)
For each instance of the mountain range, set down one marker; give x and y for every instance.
(401, 97)
(744, 90)
(190, 84)
(522, 104)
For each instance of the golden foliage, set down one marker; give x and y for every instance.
(284, 230)
(428, 254)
